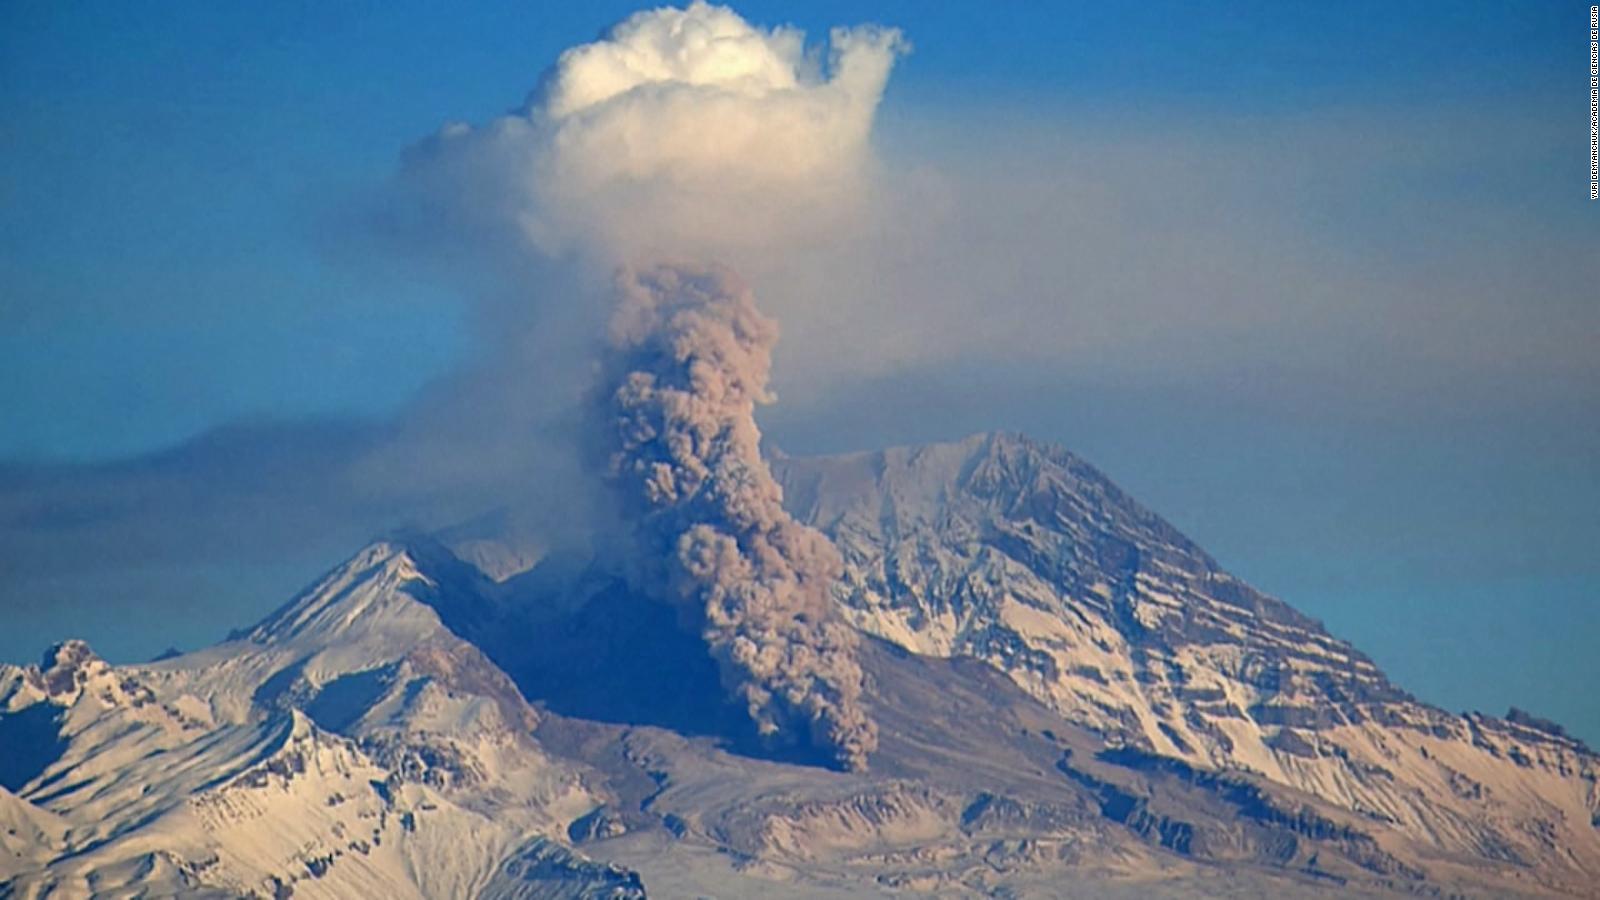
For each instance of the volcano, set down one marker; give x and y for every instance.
(1071, 699)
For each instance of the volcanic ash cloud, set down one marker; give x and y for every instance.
(689, 361)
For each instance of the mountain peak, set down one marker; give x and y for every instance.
(1020, 552)
(375, 590)
(66, 668)
(68, 654)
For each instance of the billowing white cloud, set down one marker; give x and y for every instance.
(703, 46)
(681, 132)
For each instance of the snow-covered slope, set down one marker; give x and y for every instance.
(348, 745)
(29, 836)
(1022, 555)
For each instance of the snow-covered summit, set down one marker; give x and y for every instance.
(1023, 555)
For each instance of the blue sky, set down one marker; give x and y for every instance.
(1396, 430)
(166, 167)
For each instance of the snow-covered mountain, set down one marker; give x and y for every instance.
(1072, 700)
(1024, 556)
(348, 745)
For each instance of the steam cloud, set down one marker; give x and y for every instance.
(683, 133)
(690, 357)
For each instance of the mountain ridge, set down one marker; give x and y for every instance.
(1067, 688)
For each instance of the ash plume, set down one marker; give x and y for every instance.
(689, 357)
(679, 133)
